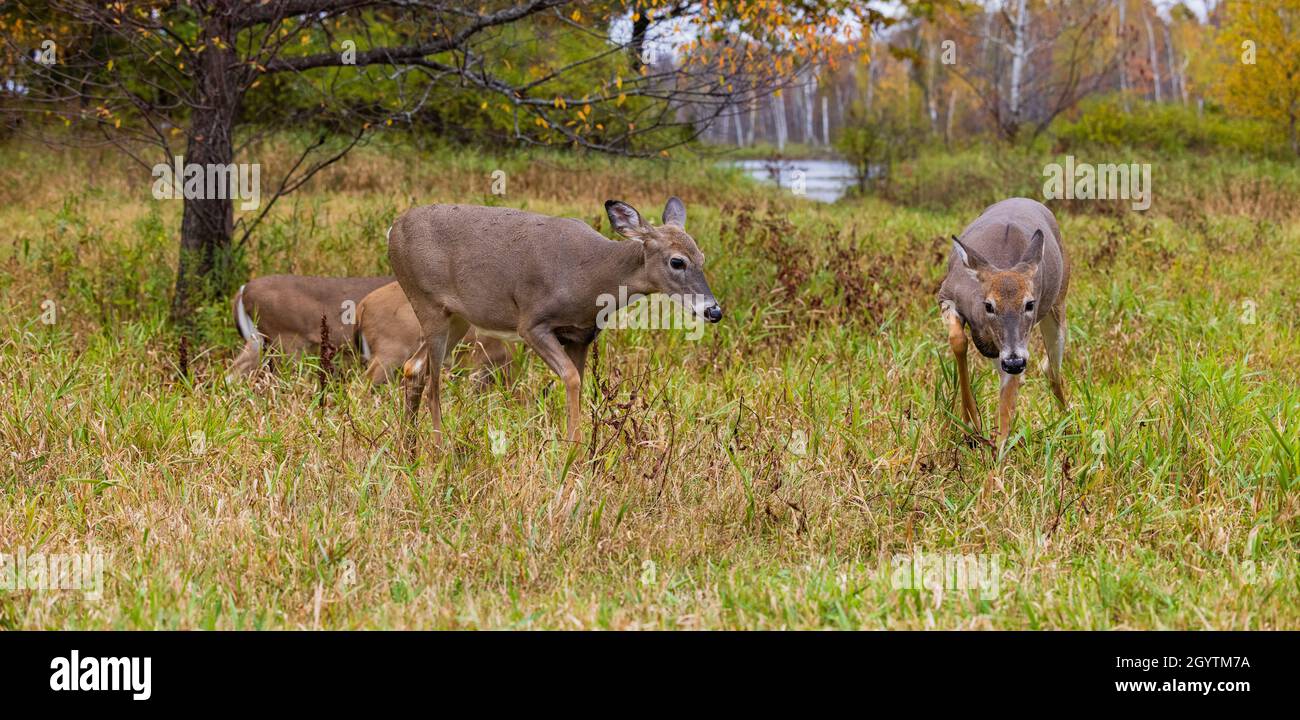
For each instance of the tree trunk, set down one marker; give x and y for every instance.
(809, 97)
(1121, 32)
(1291, 127)
(1019, 59)
(952, 109)
(1175, 78)
(640, 27)
(1153, 55)
(779, 119)
(207, 223)
(931, 91)
(826, 120)
(753, 122)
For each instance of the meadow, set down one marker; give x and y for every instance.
(766, 475)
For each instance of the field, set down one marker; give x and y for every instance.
(766, 475)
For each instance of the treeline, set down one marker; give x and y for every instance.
(952, 71)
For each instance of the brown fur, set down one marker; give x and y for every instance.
(287, 310)
(532, 276)
(1009, 257)
(391, 331)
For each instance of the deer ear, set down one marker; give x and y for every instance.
(675, 212)
(625, 219)
(972, 261)
(1034, 253)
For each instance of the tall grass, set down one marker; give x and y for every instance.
(761, 477)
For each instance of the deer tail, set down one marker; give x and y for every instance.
(362, 346)
(247, 329)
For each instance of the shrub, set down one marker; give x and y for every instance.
(1165, 127)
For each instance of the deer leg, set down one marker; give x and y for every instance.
(1007, 404)
(438, 347)
(965, 401)
(578, 356)
(415, 373)
(490, 356)
(1054, 332)
(559, 359)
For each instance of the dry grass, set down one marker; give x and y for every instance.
(1166, 497)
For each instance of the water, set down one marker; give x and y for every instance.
(822, 180)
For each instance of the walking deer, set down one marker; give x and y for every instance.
(388, 334)
(518, 275)
(1008, 272)
(285, 312)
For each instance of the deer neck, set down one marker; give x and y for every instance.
(620, 273)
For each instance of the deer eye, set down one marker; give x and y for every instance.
(988, 307)
(1029, 306)
(677, 263)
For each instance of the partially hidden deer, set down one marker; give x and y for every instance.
(539, 279)
(284, 312)
(388, 334)
(1007, 273)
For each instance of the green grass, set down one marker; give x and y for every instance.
(1166, 497)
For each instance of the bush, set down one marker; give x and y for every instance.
(1168, 128)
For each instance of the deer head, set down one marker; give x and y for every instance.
(673, 263)
(1009, 302)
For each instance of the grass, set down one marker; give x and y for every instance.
(764, 476)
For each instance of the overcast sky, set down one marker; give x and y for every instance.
(665, 37)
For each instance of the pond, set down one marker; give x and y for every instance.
(822, 180)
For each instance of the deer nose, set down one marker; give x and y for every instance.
(713, 314)
(1014, 364)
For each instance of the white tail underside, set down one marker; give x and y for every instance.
(246, 326)
(365, 346)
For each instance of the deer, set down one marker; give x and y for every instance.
(1007, 272)
(516, 275)
(388, 334)
(285, 311)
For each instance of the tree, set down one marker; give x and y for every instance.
(1261, 39)
(1034, 60)
(156, 76)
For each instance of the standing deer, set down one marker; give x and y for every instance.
(540, 279)
(1008, 272)
(286, 310)
(388, 334)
